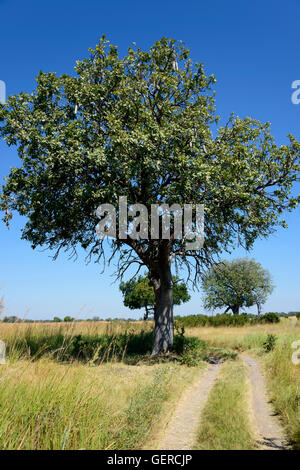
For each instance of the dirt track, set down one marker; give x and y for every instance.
(269, 430)
(180, 433)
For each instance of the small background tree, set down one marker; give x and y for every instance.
(68, 319)
(235, 284)
(138, 293)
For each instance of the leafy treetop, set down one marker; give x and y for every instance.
(138, 293)
(235, 284)
(140, 126)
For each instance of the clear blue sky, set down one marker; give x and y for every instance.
(252, 48)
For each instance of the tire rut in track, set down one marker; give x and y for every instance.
(269, 430)
(181, 431)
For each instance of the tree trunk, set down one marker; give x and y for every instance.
(163, 315)
(235, 309)
(258, 308)
(146, 314)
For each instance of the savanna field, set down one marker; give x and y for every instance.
(153, 145)
(94, 385)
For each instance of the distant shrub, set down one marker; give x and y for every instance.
(12, 319)
(270, 317)
(221, 319)
(298, 315)
(225, 319)
(68, 319)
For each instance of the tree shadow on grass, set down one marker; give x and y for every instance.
(131, 348)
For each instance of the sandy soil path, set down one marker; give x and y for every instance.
(181, 431)
(268, 428)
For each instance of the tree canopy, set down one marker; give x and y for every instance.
(236, 284)
(142, 126)
(138, 293)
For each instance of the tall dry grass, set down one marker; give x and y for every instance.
(11, 330)
(244, 337)
(47, 404)
(103, 340)
(44, 405)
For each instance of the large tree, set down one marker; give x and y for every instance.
(236, 284)
(138, 293)
(141, 126)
